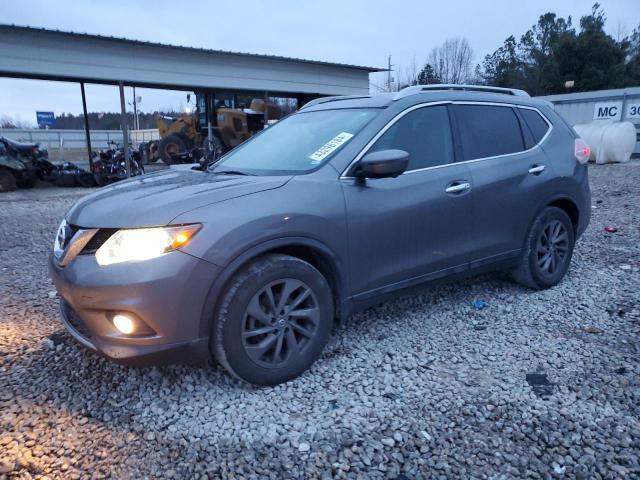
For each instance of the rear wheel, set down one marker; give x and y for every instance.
(101, 179)
(548, 250)
(169, 146)
(7, 180)
(274, 320)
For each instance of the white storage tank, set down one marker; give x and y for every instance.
(609, 141)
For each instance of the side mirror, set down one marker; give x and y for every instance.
(383, 164)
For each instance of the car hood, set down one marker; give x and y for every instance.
(158, 198)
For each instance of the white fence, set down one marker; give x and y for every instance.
(139, 136)
(76, 139)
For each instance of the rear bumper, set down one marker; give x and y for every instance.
(167, 293)
(585, 212)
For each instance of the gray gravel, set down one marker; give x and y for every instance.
(537, 384)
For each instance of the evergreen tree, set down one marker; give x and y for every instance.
(427, 76)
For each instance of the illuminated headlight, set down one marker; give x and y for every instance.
(138, 244)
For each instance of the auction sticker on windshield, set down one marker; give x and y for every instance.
(333, 144)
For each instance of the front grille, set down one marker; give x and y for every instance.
(98, 240)
(74, 319)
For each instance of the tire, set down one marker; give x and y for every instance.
(85, 179)
(170, 145)
(26, 180)
(265, 349)
(143, 152)
(7, 180)
(548, 250)
(153, 152)
(216, 151)
(101, 179)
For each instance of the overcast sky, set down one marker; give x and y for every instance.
(348, 31)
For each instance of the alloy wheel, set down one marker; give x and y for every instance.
(552, 248)
(280, 322)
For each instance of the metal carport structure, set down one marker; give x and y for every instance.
(38, 53)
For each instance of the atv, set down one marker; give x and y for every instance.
(14, 173)
(35, 157)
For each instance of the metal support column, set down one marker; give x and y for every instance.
(86, 125)
(125, 130)
(135, 110)
(266, 112)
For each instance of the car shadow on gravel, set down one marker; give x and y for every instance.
(46, 371)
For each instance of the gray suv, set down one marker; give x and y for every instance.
(341, 205)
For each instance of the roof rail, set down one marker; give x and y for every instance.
(415, 89)
(334, 98)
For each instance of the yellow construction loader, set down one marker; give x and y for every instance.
(226, 116)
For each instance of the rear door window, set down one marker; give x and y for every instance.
(488, 131)
(425, 133)
(536, 124)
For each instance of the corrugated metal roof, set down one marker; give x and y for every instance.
(27, 28)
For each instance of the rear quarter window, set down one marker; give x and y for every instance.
(488, 131)
(536, 124)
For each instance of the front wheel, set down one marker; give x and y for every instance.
(548, 250)
(273, 321)
(7, 180)
(169, 147)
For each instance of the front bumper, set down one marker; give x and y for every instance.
(167, 293)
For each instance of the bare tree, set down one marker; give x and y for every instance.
(451, 61)
(411, 73)
(6, 121)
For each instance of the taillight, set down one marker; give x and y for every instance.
(582, 151)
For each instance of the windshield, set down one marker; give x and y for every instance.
(297, 144)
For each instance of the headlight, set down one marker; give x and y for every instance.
(137, 244)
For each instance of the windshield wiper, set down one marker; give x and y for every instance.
(232, 172)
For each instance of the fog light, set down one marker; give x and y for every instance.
(124, 324)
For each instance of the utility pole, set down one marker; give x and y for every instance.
(389, 73)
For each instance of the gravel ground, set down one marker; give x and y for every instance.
(537, 384)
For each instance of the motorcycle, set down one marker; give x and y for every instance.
(109, 165)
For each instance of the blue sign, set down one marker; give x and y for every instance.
(46, 119)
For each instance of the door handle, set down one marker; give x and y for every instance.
(536, 169)
(457, 187)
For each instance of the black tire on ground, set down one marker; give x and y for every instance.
(85, 179)
(170, 145)
(273, 321)
(7, 180)
(548, 250)
(26, 180)
(214, 150)
(101, 179)
(143, 152)
(153, 151)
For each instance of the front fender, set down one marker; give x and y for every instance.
(217, 289)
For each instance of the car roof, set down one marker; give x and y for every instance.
(417, 96)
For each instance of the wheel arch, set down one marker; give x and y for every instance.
(310, 250)
(570, 207)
